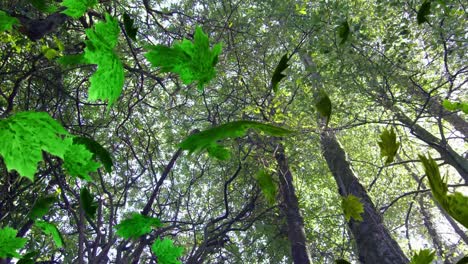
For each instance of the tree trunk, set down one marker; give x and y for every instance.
(290, 207)
(374, 242)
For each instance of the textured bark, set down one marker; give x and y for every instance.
(290, 207)
(374, 242)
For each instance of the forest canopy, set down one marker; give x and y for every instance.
(154, 131)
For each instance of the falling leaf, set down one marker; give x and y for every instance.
(166, 252)
(9, 243)
(352, 207)
(423, 12)
(98, 151)
(78, 162)
(424, 256)
(388, 145)
(267, 185)
(136, 225)
(87, 202)
(129, 28)
(6, 21)
(207, 139)
(77, 8)
(324, 106)
(46, 6)
(277, 75)
(455, 106)
(51, 230)
(42, 206)
(343, 31)
(193, 61)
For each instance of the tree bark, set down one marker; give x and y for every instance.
(290, 207)
(374, 242)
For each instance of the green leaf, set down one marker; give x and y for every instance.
(277, 75)
(463, 260)
(50, 230)
(72, 60)
(267, 185)
(324, 106)
(341, 261)
(343, 31)
(424, 256)
(42, 206)
(423, 12)
(9, 243)
(192, 61)
(455, 106)
(87, 202)
(136, 226)
(207, 139)
(388, 145)
(99, 151)
(108, 80)
(78, 162)
(45, 6)
(129, 28)
(455, 204)
(28, 258)
(77, 8)
(24, 135)
(352, 207)
(7, 22)
(166, 252)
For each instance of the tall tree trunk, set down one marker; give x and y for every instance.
(374, 242)
(290, 207)
(435, 108)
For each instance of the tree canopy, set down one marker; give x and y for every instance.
(198, 131)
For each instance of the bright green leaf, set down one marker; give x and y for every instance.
(324, 106)
(51, 230)
(99, 151)
(72, 59)
(77, 8)
(455, 204)
(352, 207)
(455, 106)
(166, 252)
(78, 162)
(129, 28)
(136, 226)
(207, 139)
(9, 243)
(108, 80)
(193, 61)
(388, 145)
(277, 75)
(87, 202)
(25, 135)
(267, 185)
(6, 21)
(28, 258)
(42, 206)
(424, 256)
(424, 11)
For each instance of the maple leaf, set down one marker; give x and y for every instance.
(424, 256)
(87, 202)
(278, 75)
(9, 243)
(77, 8)
(42, 206)
(207, 139)
(352, 207)
(423, 12)
(267, 185)
(78, 162)
(108, 80)
(388, 145)
(455, 106)
(324, 106)
(343, 31)
(193, 61)
(455, 204)
(46, 6)
(51, 230)
(166, 252)
(25, 135)
(6, 21)
(136, 226)
(98, 151)
(129, 28)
